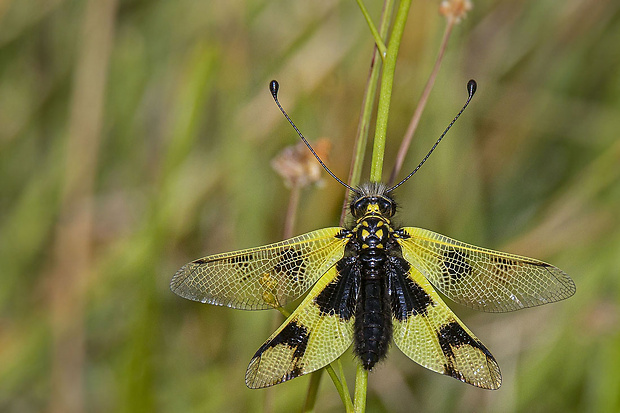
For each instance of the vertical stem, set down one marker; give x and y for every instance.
(313, 389)
(378, 36)
(341, 385)
(387, 80)
(361, 384)
(369, 98)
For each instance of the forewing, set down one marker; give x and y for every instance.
(263, 277)
(317, 333)
(430, 334)
(483, 279)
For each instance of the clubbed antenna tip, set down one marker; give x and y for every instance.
(471, 90)
(274, 86)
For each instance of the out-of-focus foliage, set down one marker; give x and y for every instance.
(138, 135)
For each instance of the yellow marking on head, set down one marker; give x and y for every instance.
(380, 223)
(379, 232)
(372, 208)
(365, 234)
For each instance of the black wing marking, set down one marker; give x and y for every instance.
(483, 279)
(263, 277)
(312, 337)
(430, 334)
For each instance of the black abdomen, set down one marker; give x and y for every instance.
(373, 317)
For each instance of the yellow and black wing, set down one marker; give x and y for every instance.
(317, 333)
(483, 279)
(263, 277)
(429, 333)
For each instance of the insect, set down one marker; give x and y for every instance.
(372, 283)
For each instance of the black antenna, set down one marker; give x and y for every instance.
(471, 89)
(274, 86)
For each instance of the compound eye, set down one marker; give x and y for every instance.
(385, 207)
(359, 208)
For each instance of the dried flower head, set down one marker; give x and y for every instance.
(455, 10)
(297, 165)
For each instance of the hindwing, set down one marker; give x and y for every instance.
(480, 278)
(263, 277)
(314, 335)
(430, 334)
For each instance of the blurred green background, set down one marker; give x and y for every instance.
(137, 135)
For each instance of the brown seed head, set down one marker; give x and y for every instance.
(455, 10)
(297, 165)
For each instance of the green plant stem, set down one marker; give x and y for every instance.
(313, 388)
(387, 80)
(343, 379)
(361, 385)
(342, 390)
(385, 95)
(359, 151)
(378, 37)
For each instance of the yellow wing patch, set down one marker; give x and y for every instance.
(263, 277)
(307, 341)
(435, 338)
(483, 279)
